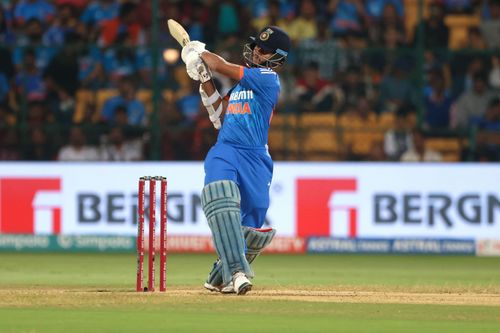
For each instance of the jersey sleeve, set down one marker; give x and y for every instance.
(258, 77)
(261, 79)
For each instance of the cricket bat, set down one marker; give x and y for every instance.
(178, 32)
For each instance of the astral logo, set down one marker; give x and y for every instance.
(326, 207)
(30, 205)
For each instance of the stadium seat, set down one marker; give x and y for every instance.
(320, 144)
(386, 120)
(459, 26)
(317, 120)
(282, 139)
(449, 148)
(101, 97)
(84, 98)
(146, 97)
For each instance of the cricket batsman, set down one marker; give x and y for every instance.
(238, 168)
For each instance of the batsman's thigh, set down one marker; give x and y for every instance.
(255, 180)
(220, 165)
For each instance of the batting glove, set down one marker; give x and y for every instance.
(195, 47)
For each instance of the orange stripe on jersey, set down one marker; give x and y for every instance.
(241, 72)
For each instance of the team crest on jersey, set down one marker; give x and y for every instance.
(264, 35)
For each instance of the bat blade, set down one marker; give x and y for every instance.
(178, 32)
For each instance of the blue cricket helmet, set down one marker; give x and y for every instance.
(270, 39)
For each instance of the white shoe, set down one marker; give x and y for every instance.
(228, 289)
(212, 287)
(242, 284)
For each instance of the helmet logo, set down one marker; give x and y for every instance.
(264, 35)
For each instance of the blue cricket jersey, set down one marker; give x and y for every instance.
(250, 108)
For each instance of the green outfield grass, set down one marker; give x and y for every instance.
(317, 293)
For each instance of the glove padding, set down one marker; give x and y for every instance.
(196, 68)
(195, 47)
(208, 102)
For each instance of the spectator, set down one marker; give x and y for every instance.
(347, 17)
(123, 29)
(77, 150)
(272, 16)
(228, 21)
(127, 98)
(435, 32)
(189, 104)
(438, 102)
(494, 77)
(390, 20)
(395, 88)
(7, 37)
(419, 152)
(31, 38)
(473, 104)
(198, 23)
(488, 137)
(313, 94)
(120, 62)
(376, 9)
(304, 26)
(61, 79)
(353, 87)
(4, 89)
(9, 145)
(65, 23)
(377, 152)
(491, 119)
(6, 64)
(474, 40)
(326, 51)
(39, 148)
(29, 80)
(38, 114)
(30, 33)
(398, 139)
(491, 27)
(460, 6)
(100, 10)
(38, 9)
(117, 148)
(7, 118)
(89, 58)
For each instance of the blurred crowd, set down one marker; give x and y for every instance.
(78, 77)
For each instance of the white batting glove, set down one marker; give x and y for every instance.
(196, 68)
(192, 47)
(193, 61)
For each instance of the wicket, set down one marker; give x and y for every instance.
(152, 230)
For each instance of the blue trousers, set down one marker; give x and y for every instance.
(251, 169)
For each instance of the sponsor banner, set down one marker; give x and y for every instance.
(393, 246)
(63, 243)
(342, 200)
(88, 243)
(186, 244)
(488, 247)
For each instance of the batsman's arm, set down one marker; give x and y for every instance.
(219, 65)
(209, 88)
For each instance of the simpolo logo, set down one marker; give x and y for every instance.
(321, 207)
(30, 205)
